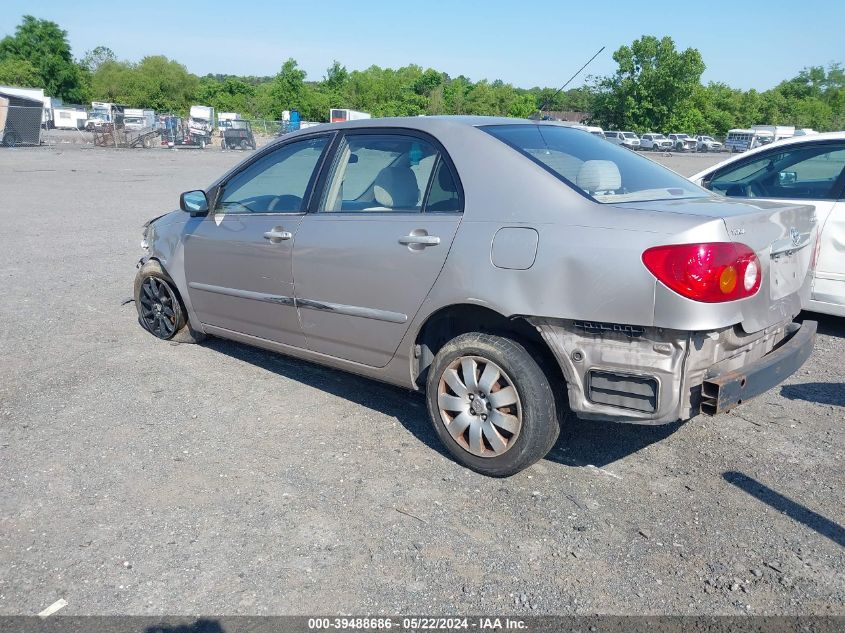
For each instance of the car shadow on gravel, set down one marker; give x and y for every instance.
(580, 444)
(787, 506)
(818, 392)
(598, 443)
(406, 406)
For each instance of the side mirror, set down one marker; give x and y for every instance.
(194, 202)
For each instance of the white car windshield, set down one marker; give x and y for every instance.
(604, 172)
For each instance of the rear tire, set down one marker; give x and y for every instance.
(495, 435)
(159, 306)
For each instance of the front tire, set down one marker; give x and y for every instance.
(160, 310)
(491, 404)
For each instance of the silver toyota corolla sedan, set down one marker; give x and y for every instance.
(510, 269)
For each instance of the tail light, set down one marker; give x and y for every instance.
(711, 272)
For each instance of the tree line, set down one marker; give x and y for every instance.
(656, 87)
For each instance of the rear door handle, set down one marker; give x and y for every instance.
(420, 240)
(277, 234)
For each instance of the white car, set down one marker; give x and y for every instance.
(625, 139)
(655, 142)
(682, 142)
(807, 169)
(707, 144)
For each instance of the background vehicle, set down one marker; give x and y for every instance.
(806, 169)
(777, 132)
(224, 120)
(34, 94)
(707, 144)
(172, 130)
(69, 118)
(614, 136)
(20, 120)
(594, 130)
(741, 140)
(682, 142)
(416, 248)
(139, 119)
(655, 142)
(338, 115)
(103, 115)
(238, 135)
(630, 140)
(201, 124)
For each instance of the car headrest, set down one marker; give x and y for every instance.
(599, 175)
(396, 187)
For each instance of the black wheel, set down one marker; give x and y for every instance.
(491, 404)
(244, 144)
(11, 139)
(160, 310)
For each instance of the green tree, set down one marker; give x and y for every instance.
(44, 45)
(155, 82)
(19, 72)
(287, 89)
(652, 87)
(95, 58)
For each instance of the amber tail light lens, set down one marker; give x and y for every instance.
(710, 272)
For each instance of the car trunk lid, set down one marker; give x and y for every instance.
(783, 236)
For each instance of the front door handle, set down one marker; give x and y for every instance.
(277, 234)
(420, 240)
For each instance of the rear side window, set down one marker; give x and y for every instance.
(443, 196)
(381, 173)
(808, 172)
(602, 171)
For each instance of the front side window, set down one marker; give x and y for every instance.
(808, 172)
(605, 172)
(275, 183)
(379, 172)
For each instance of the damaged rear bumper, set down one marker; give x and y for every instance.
(722, 391)
(650, 375)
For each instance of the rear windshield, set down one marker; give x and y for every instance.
(602, 171)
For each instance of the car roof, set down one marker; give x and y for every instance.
(434, 125)
(784, 142)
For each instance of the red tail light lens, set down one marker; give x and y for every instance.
(711, 272)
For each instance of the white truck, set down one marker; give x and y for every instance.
(224, 120)
(139, 118)
(201, 125)
(777, 131)
(337, 115)
(100, 115)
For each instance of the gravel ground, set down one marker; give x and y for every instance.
(144, 477)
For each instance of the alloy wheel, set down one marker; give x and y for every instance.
(479, 406)
(158, 307)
